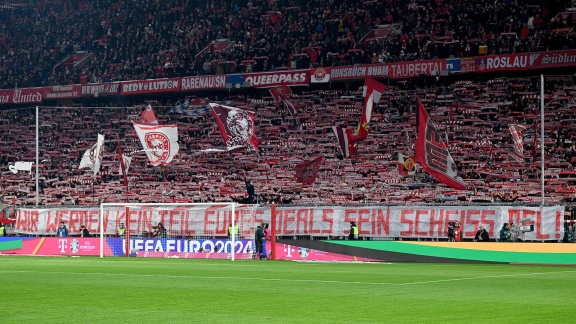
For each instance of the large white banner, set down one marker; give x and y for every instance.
(372, 221)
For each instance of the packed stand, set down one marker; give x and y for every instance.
(61, 42)
(473, 117)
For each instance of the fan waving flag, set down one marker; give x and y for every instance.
(237, 127)
(148, 117)
(372, 92)
(346, 140)
(92, 158)
(307, 171)
(516, 132)
(127, 160)
(160, 142)
(432, 153)
(283, 94)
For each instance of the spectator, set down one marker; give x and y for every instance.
(62, 230)
(258, 241)
(353, 235)
(84, 231)
(2, 229)
(569, 235)
(481, 235)
(505, 235)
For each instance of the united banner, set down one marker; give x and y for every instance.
(93, 156)
(372, 91)
(432, 153)
(237, 127)
(160, 142)
(307, 171)
(516, 133)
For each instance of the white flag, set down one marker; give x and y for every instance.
(93, 156)
(127, 160)
(160, 142)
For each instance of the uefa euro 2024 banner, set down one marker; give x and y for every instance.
(327, 221)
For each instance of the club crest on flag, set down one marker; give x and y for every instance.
(159, 145)
(236, 126)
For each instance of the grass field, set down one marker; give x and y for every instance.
(129, 290)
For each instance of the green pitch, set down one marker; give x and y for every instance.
(130, 290)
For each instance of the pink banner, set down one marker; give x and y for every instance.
(204, 82)
(150, 86)
(507, 62)
(62, 92)
(274, 79)
(21, 96)
(296, 253)
(56, 246)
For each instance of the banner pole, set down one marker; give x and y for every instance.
(37, 158)
(273, 231)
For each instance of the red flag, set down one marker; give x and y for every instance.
(432, 153)
(148, 117)
(372, 92)
(346, 140)
(283, 94)
(518, 152)
(237, 127)
(307, 171)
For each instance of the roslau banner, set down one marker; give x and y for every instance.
(327, 221)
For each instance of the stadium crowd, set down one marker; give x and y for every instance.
(474, 117)
(55, 42)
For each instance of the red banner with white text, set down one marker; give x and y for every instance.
(203, 82)
(21, 96)
(554, 59)
(506, 62)
(372, 221)
(63, 91)
(150, 86)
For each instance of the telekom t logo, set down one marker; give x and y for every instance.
(289, 249)
(62, 245)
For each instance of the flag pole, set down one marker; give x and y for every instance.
(542, 141)
(122, 167)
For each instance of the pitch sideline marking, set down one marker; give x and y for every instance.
(289, 280)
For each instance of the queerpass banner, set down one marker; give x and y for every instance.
(21, 96)
(274, 79)
(373, 221)
(150, 86)
(398, 70)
